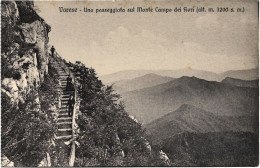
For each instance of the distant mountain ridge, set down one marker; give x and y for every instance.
(188, 118)
(249, 74)
(147, 80)
(219, 98)
(241, 83)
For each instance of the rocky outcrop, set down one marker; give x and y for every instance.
(24, 60)
(24, 53)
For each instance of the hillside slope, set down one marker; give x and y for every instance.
(213, 149)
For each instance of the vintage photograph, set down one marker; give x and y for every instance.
(137, 83)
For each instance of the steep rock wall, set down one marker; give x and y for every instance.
(24, 55)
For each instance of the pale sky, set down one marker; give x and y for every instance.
(124, 41)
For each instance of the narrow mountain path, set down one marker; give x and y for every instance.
(64, 122)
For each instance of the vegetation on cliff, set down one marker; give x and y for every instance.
(107, 136)
(28, 127)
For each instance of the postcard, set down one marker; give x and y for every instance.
(129, 83)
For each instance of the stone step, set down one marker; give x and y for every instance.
(64, 105)
(67, 93)
(62, 115)
(64, 126)
(64, 133)
(64, 110)
(64, 137)
(65, 99)
(65, 129)
(62, 87)
(66, 96)
(60, 79)
(64, 123)
(65, 119)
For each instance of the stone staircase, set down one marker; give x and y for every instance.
(64, 123)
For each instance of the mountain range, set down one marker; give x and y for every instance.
(219, 98)
(197, 118)
(250, 74)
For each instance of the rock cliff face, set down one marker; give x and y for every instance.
(24, 61)
(24, 53)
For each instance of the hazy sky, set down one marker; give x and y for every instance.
(122, 41)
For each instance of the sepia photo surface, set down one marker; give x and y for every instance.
(129, 83)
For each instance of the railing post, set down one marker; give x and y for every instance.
(73, 147)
